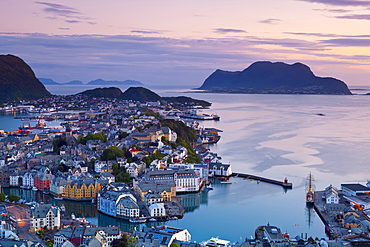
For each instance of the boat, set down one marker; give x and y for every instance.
(138, 220)
(152, 220)
(216, 242)
(195, 114)
(34, 189)
(226, 182)
(58, 198)
(310, 194)
(208, 188)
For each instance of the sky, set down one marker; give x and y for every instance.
(182, 42)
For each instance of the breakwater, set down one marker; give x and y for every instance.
(285, 184)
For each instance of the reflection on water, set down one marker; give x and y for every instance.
(192, 201)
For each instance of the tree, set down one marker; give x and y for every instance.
(112, 153)
(2, 197)
(174, 245)
(98, 136)
(13, 198)
(57, 143)
(123, 135)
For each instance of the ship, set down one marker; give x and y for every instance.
(195, 114)
(310, 194)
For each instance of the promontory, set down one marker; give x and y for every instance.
(273, 78)
(18, 81)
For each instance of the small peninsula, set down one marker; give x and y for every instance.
(273, 78)
(143, 95)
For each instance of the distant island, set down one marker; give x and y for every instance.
(98, 82)
(273, 78)
(18, 81)
(143, 95)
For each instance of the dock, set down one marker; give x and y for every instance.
(284, 183)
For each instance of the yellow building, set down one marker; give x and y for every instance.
(82, 189)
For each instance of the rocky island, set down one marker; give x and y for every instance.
(273, 78)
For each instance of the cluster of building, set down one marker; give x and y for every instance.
(78, 173)
(345, 212)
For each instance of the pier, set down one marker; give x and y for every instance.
(284, 183)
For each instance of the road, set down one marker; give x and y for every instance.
(22, 216)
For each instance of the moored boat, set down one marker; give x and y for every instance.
(138, 220)
(310, 194)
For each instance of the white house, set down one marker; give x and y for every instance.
(28, 178)
(14, 179)
(45, 215)
(157, 210)
(218, 169)
(132, 169)
(99, 165)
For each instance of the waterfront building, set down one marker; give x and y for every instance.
(355, 189)
(121, 204)
(83, 189)
(57, 186)
(127, 208)
(42, 181)
(186, 180)
(157, 210)
(219, 169)
(331, 195)
(14, 179)
(161, 236)
(45, 216)
(28, 179)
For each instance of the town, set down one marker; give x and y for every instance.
(131, 160)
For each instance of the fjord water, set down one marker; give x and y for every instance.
(274, 136)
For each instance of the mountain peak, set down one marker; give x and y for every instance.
(18, 81)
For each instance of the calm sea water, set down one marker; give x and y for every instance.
(275, 136)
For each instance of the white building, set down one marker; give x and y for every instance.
(157, 210)
(331, 195)
(186, 180)
(133, 170)
(45, 215)
(28, 178)
(219, 169)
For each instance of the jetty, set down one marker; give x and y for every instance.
(285, 184)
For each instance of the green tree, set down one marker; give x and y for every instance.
(98, 136)
(13, 198)
(123, 135)
(112, 153)
(183, 131)
(57, 143)
(174, 245)
(132, 242)
(2, 197)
